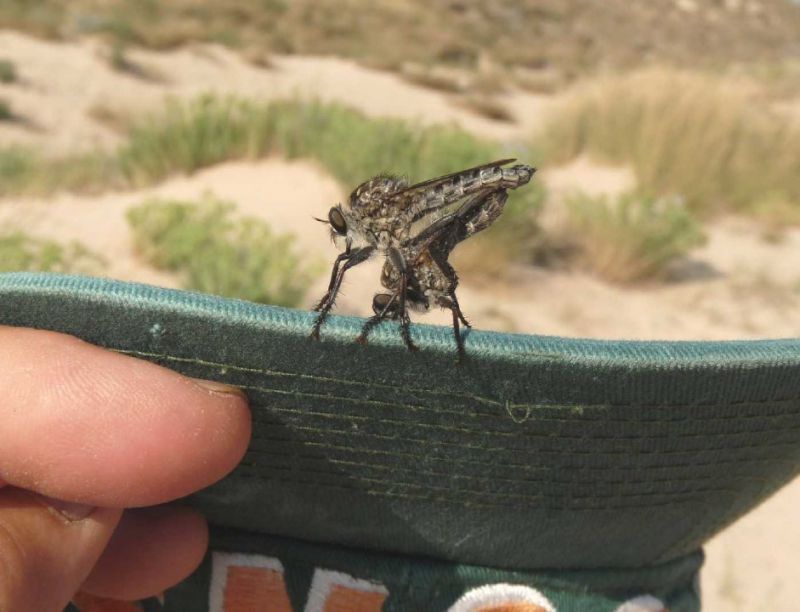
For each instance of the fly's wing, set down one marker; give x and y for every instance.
(453, 176)
(423, 198)
(441, 195)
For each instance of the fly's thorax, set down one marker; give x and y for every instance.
(370, 196)
(382, 232)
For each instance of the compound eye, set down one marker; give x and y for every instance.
(336, 219)
(380, 302)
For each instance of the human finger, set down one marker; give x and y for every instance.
(47, 548)
(151, 550)
(89, 425)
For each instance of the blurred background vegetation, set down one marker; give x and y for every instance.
(691, 107)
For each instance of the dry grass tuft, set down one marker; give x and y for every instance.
(683, 134)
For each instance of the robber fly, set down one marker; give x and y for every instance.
(382, 213)
(431, 280)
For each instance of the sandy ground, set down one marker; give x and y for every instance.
(63, 86)
(738, 285)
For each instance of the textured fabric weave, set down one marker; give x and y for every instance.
(538, 453)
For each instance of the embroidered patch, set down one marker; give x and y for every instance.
(337, 592)
(252, 583)
(241, 583)
(503, 598)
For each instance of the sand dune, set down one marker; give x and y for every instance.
(63, 85)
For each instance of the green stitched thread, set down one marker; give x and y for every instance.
(484, 400)
(517, 466)
(520, 496)
(450, 474)
(525, 467)
(540, 451)
(471, 502)
(484, 432)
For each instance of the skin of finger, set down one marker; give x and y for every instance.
(44, 558)
(151, 550)
(85, 424)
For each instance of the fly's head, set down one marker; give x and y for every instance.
(341, 224)
(348, 227)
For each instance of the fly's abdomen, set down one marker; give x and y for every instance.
(470, 182)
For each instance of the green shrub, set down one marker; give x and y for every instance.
(20, 252)
(630, 239)
(218, 254)
(24, 171)
(353, 147)
(8, 72)
(190, 136)
(6, 112)
(18, 166)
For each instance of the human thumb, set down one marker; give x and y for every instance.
(47, 549)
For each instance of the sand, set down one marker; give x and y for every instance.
(738, 285)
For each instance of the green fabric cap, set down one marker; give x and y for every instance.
(536, 455)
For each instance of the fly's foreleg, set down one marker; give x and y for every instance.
(342, 257)
(353, 258)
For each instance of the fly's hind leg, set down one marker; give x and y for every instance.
(451, 301)
(456, 308)
(399, 263)
(402, 309)
(445, 302)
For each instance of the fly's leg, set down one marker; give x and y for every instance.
(451, 301)
(351, 258)
(375, 320)
(405, 320)
(453, 306)
(399, 263)
(456, 308)
(334, 274)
